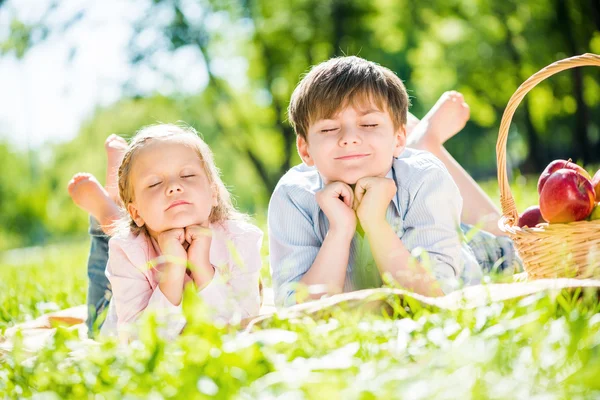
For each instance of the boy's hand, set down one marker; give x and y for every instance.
(171, 245)
(336, 201)
(372, 197)
(198, 254)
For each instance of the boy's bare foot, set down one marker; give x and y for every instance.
(90, 196)
(115, 150)
(445, 119)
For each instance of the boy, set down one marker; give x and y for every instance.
(361, 202)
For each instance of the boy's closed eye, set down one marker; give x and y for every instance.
(327, 130)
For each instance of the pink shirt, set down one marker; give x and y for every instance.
(134, 277)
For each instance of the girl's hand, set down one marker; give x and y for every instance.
(198, 254)
(171, 245)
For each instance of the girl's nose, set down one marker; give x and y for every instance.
(174, 188)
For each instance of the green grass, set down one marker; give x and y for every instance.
(39, 280)
(544, 346)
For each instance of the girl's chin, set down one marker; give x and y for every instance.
(184, 223)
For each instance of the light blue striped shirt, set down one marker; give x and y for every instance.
(425, 213)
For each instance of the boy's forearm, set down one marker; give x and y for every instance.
(327, 275)
(391, 256)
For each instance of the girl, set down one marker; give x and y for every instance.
(178, 229)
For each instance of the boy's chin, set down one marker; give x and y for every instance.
(349, 179)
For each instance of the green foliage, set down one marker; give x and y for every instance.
(22, 199)
(483, 48)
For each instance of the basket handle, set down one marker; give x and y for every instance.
(509, 209)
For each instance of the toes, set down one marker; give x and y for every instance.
(80, 176)
(110, 138)
(115, 141)
(457, 96)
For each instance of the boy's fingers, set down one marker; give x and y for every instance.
(345, 193)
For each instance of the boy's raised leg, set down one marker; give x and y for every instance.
(445, 119)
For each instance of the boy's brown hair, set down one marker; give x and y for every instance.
(338, 82)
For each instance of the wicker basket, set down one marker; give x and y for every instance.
(549, 250)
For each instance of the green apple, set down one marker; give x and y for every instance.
(595, 213)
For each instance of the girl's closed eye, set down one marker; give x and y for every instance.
(154, 184)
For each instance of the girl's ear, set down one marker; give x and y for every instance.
(135, 216)
(215, 196)
(302, 146)
(400, 138)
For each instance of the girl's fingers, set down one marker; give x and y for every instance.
(196, 231)
(181, 236)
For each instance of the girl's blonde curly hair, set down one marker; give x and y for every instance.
(223, 211)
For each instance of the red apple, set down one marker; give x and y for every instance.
(555, 166)
(531, 217)
(596, 184)
(567, 196)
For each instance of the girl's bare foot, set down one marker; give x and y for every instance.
(90, 196)
(115, 147)
(445, 119)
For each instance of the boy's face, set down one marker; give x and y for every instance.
(359, 141)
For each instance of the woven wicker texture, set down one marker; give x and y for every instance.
(549, 250)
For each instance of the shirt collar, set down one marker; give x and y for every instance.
(392, 175)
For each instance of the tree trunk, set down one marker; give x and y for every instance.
(595, 11)
(534, 161)
(581, 140)
(337, 17)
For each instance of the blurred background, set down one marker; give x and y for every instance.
(74, 71)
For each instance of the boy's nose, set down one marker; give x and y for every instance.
(349, 136)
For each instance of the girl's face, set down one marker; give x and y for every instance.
(171, 189)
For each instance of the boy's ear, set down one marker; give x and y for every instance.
(302, 146)
(400, 137)
(135, 216)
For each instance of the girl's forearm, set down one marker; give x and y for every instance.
(171, 282)
(202, 274)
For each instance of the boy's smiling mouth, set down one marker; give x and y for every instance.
(353, 156)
